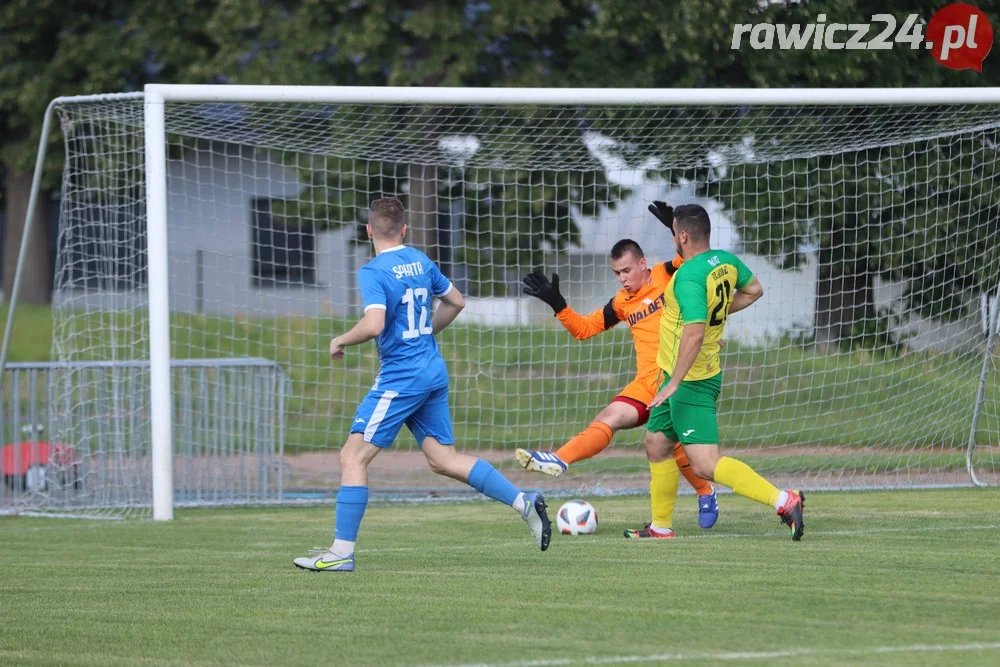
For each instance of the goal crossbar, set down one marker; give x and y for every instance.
(571, 96)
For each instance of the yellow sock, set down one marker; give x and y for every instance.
(664, 478)
(742, 479)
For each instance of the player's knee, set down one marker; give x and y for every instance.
(703, 466)
(619, 415)
(701, 469)
(438, 456)
(438, 464)
(657, 447)
(346, 459)
(351, 458)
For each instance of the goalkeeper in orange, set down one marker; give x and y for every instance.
(639, 303)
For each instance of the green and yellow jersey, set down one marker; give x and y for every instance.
(701, 291)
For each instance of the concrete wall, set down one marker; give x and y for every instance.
(210, 254)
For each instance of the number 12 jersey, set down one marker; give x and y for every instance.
(401, 281)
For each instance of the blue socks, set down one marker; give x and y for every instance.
(487, 480)
(353, 500)
(351, 504)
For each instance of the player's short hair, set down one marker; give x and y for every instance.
(619, 249)
(387, 217)
(693, 219)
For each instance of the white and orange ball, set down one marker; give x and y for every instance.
(577, 517)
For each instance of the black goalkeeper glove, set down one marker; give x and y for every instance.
(664, 212)
(536, 284)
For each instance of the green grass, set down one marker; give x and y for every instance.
(537, 386)
(32, 334)
(880, 578)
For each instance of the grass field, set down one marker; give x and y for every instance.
(879, 578)
(537, 386)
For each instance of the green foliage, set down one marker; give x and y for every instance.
(402, 43)
(48, 51)
(923, 212)
(346, 155)
(687, 43)
(54, 47)
(880, 334)
(508, 217)
(308, 42)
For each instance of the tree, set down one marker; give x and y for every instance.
(510, 215)
(856, 217)
(58, 48)
(383, 42)
(55, 48)
(44, 48)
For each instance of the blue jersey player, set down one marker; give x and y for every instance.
(411, 387)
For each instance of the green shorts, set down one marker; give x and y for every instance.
(688, 417)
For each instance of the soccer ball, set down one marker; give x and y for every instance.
(577, 517)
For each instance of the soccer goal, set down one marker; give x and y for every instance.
(202, 222)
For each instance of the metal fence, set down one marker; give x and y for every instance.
(77, 436)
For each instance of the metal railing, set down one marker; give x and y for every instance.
(78, 435)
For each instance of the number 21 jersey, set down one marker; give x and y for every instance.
(702, 291)
(402, 280)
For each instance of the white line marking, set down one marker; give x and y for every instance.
(836, 533)
(740, 655)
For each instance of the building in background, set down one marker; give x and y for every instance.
(231, 257)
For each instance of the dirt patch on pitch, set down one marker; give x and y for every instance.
(407, 471)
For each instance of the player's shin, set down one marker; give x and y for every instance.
(490, 482)
(487, 480)
(742, 479)
(663, 483)
(586, 444)
(351, 504)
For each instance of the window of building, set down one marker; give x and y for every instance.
(281, 254)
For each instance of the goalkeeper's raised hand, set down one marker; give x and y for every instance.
(664, 212)
(538, 285)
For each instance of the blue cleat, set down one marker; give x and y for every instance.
(708, 510)
(324, 560)
(543, 462)
(537, 518)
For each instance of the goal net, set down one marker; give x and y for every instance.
(875, 230)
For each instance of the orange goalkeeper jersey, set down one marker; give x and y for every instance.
(641, 311)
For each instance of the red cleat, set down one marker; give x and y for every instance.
(647, 533)
(791, 513)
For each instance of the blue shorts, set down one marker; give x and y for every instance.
(382, 413)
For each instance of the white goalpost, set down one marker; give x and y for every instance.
(209, 237)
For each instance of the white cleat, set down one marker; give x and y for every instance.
(324, 560)
(537, 518)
